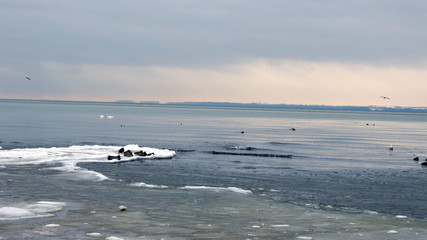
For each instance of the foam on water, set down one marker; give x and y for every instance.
(141, 184)
(69, 157)
(30, 210)
(217, 189)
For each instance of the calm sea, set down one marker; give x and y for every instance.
(215, 173)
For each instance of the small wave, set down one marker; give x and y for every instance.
(241, 148)
(253, 154)
(283, 143)
(141, 184)
(30, 210)
(217, 189)
(185, 150)
(248, 167)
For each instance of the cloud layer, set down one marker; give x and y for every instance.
(315, 52)
(299, 82)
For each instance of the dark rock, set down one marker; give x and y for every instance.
(143, 154)
(128, 153)
(113, 157)
(121, 150)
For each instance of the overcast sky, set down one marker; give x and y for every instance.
(333, 52)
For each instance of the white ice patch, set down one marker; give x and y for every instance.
(52, 225)
(27, 210)
(114, 238)
(69, 157)
(94, 234)
(141, 184)
(280, 226)
(217, 189)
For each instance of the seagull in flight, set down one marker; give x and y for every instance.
(28, 78)
(383, 97)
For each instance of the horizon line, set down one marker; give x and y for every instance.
(241, 104)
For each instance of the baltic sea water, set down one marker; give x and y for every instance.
(334, 177)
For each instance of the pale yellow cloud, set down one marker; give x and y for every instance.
(289, 82)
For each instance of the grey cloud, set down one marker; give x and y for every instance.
(194, 32)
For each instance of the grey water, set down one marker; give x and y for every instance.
(334, 177)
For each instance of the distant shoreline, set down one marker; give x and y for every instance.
(372, 108)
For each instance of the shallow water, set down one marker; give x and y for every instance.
(332, 178)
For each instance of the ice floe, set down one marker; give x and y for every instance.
(69, 157)
(113, 238)
(94, 234)
(280, 226)
(30, 210)
(52, 225)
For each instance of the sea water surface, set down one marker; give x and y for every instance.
(215, 173)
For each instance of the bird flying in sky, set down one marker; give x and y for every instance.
(383, 97)
(28, 78)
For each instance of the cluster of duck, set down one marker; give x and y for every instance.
(423, 163)
(128, 153)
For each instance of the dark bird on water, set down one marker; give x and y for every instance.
(28, 78)
(416, 159)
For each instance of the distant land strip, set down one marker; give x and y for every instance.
(244, 105)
